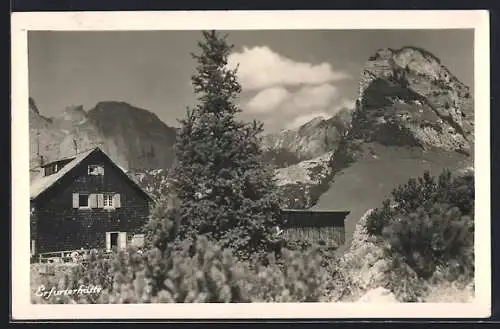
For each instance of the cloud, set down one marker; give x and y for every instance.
(281, 108)
(261, 68)
(282, 100)
(268, 99)
(313, 97)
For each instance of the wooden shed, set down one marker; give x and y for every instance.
(316, 226)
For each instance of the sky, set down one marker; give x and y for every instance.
(288, 77)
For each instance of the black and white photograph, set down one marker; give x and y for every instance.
(274, 166)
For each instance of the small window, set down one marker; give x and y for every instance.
(52, 169)
(96, 170)
(83, 200)
(108, 201)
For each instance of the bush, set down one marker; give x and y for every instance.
(206, 274)
(404, 282)
(430, 224)
(163, 224)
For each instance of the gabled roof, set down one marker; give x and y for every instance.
(41, 184)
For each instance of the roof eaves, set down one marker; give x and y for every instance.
(42, 184)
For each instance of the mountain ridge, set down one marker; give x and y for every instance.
(134, 137)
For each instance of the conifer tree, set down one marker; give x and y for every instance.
(225, 190)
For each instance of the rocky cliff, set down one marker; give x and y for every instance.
(133, 137)
(301, 184)
(409, 93)
(309, 141)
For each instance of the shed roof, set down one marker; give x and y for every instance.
(313, 218)
(316, 211)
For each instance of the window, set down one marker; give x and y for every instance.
(88, 201)
(52, 169)
(108, 201)
(83, 200)
(96, 170)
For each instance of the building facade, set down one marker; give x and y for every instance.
(86, 202)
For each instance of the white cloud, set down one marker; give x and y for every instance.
(286, 93)
(268, 99)
(280, 108)
(314, 97)
(281, 100)
(260, 68)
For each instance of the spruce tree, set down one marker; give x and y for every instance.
(225, 190)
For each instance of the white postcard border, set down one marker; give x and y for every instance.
(22, 309)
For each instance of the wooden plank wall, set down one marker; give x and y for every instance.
(315, 227)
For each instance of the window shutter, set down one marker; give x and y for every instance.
(93, 200)
(100, 200)
(116, 200)
(75, 200)
(108, 241)
(122, 240)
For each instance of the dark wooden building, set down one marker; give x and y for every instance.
(315, 226)
(86, 202)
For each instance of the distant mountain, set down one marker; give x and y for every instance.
(412, 115)
(135, 138)
(309, 141)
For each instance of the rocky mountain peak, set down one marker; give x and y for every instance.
(74, 114)
(413, 61)
(313, 123)
(314, 138)
(411, 91)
